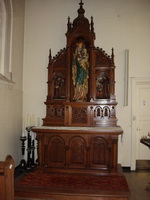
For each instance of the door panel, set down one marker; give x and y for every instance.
(144, 102)
(143, 120)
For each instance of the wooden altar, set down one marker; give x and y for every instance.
(78, 149)
(80, 133)
(80, 128)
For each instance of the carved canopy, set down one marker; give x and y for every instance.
(81, 80)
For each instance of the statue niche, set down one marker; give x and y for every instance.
(59, 86)
(102, 86)
(80, 71)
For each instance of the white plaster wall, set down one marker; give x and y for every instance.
(11, 95)
(121, 24)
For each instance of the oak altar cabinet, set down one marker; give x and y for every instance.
(80, 132)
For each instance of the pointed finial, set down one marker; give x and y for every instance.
(112, 56)
(68, 20)
(81, 11)
(112, 52)
(50, 55)
(69, 25)
(81, 4)
(92, 25)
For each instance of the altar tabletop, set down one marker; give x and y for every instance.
(115, 130)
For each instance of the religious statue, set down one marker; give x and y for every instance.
(102, 86)
(59, 87)
(80, 72)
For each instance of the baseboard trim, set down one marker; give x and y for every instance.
(143, 164)
(126, 169)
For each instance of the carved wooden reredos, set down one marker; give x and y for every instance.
(81, 81)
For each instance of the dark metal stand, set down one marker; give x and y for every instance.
(23, 162)
(28, 167)
(30, 163)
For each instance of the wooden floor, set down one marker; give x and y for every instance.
(137, 181)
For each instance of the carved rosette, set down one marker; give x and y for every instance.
(79, 115)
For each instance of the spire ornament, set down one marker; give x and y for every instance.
(81, 4)
(81, 11)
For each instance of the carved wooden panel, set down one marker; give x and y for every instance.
(95, 115)
(104, 115)
(77, 152)
(99, 153)
(102, 59)
(77, 148)
(56, 155)
(102, 112)
(79, 115)
(60, 60)
(55, 111)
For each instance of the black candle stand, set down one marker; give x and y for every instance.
(30, 163)
(23, 139)
(23, 162)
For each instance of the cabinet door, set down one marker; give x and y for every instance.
(55, 152)
(77, 154)
(99, 153)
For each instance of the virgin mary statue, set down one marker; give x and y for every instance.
(80, 72)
